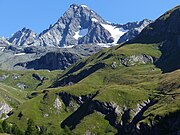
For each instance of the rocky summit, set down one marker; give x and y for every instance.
(23, 37)
(79, 25)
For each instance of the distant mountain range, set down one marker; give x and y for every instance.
(79, 25)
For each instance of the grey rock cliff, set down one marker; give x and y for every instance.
(4, 108)
(57, 104)
(76, 18)
(136, 59)
(97, 34)
(79, 25)
(39, 57)
(52, 61)
(134, 29)
(3, 41)
(23, 37)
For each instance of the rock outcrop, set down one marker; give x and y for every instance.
(57, 105)
(127, 125)
(23, 37)
(3, 43)
(21, 85)
(52, 61)
(136, 59)
(4, 108)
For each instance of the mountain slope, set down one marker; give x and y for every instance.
(164, 30)
(125, 83)
(3, 43)
(23, 37)
(38, 57)
(79, 25)
(134, 30)
(16, 87)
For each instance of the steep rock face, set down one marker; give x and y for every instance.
(15, 58)
(23, 37)
(136, 59)
(128, 36)
(52, 61)
(3, 42)
(134, 29)
(57, 105)
(79, 25)
(130, 118)
(97, 34)
(72, 25)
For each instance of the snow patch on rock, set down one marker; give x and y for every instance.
(84, 6)
(80, 33)
(67, 46)
(2, 48)
(104, 45)
(94, 20)
(116, 33)
(19, 54)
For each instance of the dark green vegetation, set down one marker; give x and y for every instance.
(126, 89)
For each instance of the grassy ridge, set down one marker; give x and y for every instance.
(123, 86)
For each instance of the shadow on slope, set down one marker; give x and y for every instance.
(166, 31)
(75, 78)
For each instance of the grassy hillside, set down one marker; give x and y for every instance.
(100, 95)
(11, 95)
(26, 78)
(16, 87)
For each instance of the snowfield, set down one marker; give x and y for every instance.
(80, 33)
(116, 33)
(19, 54)
(94, 20)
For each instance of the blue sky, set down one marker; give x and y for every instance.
(39, 14)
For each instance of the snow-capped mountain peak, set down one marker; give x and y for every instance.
(79, 25)
(84, 6)
(23, 37)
